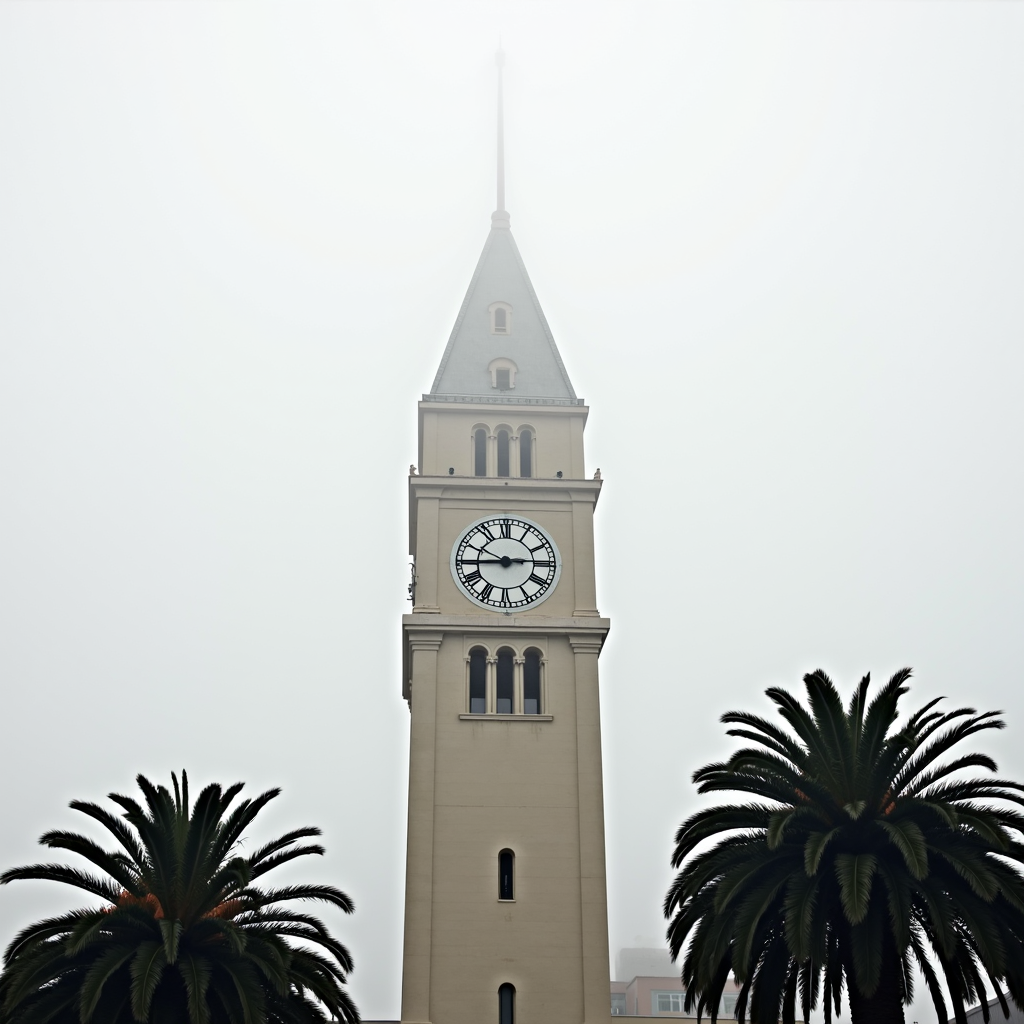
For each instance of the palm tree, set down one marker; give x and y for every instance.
(858, 851)
(184, 933)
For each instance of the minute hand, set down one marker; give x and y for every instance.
(495, 561)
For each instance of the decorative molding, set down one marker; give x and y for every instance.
(576, 403)
(425, 641)
(502, 626)
(506, 718)
(585, 644)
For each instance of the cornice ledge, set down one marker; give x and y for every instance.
(425, 624)
(586, 644)
(423, 641)
(433, 486)
(560, 406)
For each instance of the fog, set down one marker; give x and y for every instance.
(780, 247)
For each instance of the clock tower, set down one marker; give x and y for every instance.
(506, 906)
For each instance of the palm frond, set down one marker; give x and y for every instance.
(857, 848)
(184, 934)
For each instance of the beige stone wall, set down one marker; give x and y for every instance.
(531, 784)
(446, 437)
(441, 507)
(506, 784)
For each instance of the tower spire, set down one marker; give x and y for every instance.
(500, 61)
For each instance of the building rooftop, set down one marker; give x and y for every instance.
(501, 323)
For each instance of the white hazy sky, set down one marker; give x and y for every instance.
(781, 249)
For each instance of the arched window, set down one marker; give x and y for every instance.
(507, 1004)
(478, 681)
(531, 683)
(501, 317)
(505, 685)
(526, 453)
(503, 460)
(480, 452)
(506, 875)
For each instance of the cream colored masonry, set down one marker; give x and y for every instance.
(483, 783)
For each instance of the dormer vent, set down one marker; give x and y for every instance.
(501, 317)
(503, 373)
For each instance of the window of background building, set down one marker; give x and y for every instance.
(667, 1002)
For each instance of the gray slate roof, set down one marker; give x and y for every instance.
(463, 375)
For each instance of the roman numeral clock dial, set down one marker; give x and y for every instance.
(503, 563)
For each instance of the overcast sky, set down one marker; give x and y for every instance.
(781, 250)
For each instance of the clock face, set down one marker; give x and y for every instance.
(505, 562)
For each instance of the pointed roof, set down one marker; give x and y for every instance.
(464, 373)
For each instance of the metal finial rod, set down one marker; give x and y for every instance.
(500, 60)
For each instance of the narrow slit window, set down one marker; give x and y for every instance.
(526, 453)
(477, 682)
(505, 685)
(506, 875)
(500, 321)
(531, 683)
(480, 453)
(503, 460)
(507, 1004)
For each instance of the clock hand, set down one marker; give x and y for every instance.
(492, 561)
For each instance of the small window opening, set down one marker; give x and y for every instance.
(507, 1004)
(477, 681)
(503, 373)
(503, 459)
(480, 453)
(500, 321)
(505, 675)
(506, 865)
(526, 453)
(531, 683)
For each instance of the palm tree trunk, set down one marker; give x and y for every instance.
(885, 1006)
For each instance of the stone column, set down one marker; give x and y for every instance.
(419, 876)
(428, 528)
(492, 685)
(583, 557)
(518, 707)
(593, 887)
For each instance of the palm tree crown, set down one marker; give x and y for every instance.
(184, 932)
(858, 852)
